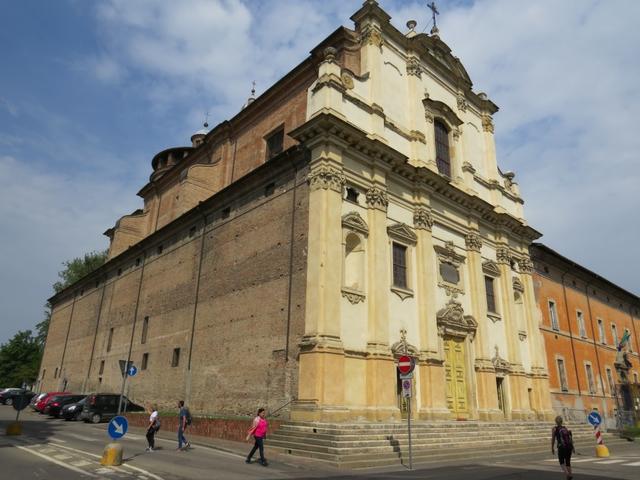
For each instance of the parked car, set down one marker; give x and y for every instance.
(55, 403)
(8, 395)
(72, 411)
(36, 399)
(40, 404)
(103, 407)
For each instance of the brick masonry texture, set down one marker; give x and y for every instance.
(227, 428)
(250, 283)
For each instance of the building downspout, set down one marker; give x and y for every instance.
(66, 340)
(595, 344)
(291, 251)
(95, 336)
(195, 305)
(573, 350)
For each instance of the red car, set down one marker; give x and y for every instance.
(40, 404)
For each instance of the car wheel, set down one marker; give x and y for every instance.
(95, 418)
(8, 401)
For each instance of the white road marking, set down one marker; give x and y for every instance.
(145, 472)
(634, 464)
(81, 463)
(580, 460)
(79, 437)
(608, 462)
(57, 462)
(62, 457)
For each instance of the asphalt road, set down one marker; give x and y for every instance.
(55, 449)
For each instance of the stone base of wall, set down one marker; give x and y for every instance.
(225, 428)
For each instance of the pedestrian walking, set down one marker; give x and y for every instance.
(258, 431)
(562, 436)
(152, 428)
(184, 420)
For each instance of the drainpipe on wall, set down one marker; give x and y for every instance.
(595, 344)
(64, 350)
(195, 305)
(95, 336)
(573, 351)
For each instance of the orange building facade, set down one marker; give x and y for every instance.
(584, 318)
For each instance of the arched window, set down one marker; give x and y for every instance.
(443, 160)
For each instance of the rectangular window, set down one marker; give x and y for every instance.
(145, 329)
(592, 384)
(563, 375)
(175, 361)
(603, 338)
(443, 160)
(491, 295)
(101, 371)
(145, 360)
(399, 265)
(110, 341)
(581, 330)
(275, 143)
(553, 315)
(55, 374)
(614, 334)
(610, 380)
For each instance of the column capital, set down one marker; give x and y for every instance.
(377, 198)
(526, 265)
(473, 241)
(503, 256)
(326, 177)
(422, 218)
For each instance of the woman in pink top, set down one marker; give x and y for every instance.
(259, 431)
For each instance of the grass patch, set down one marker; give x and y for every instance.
(631, 432)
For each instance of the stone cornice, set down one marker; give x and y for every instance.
(327, 125)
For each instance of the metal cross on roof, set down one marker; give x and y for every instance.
(434, 12)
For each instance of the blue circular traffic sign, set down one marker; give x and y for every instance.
(118, 426)
(594, 419)
(132, 371)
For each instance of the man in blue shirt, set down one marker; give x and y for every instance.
(184, 420)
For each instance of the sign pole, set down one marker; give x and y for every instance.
(409, 428)
(124, 381)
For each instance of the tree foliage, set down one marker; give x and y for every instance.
(20, 357)
(79, 267)
(19, 360)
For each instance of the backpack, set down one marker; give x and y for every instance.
(188, 416)
(564, 437)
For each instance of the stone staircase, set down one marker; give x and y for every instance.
(362, 445)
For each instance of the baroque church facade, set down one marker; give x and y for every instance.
(353, 213)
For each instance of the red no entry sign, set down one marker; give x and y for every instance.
(405, 364)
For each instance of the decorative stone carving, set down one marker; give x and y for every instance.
(373, 37)
(517, 285)
(347, 80)
(413, 67)
(429, 117)
(447, 258)
(622, 365)
(501, 366)
(330, 54)
(526, 265)
(473, 241)
(456, 133)
(422, 218)
(402, 232)
(377, 198)
(403, 347)
(503, 256)
(487, 123)
(484, 365)
(491, 268)
(462, 102)
(353, 221)
(326, 177)
(352, 295)
(453, 322)
(442, 110)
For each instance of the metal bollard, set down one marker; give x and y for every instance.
(112, 455)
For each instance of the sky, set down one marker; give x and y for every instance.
(90, 91)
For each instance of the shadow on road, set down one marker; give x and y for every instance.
(34, 425)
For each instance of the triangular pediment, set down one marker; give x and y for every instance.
(402, 232)
(491, 268)
(353, 221)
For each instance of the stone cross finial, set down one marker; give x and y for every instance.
(434, 12)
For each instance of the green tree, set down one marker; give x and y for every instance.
(78, 268)
(19, 360)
